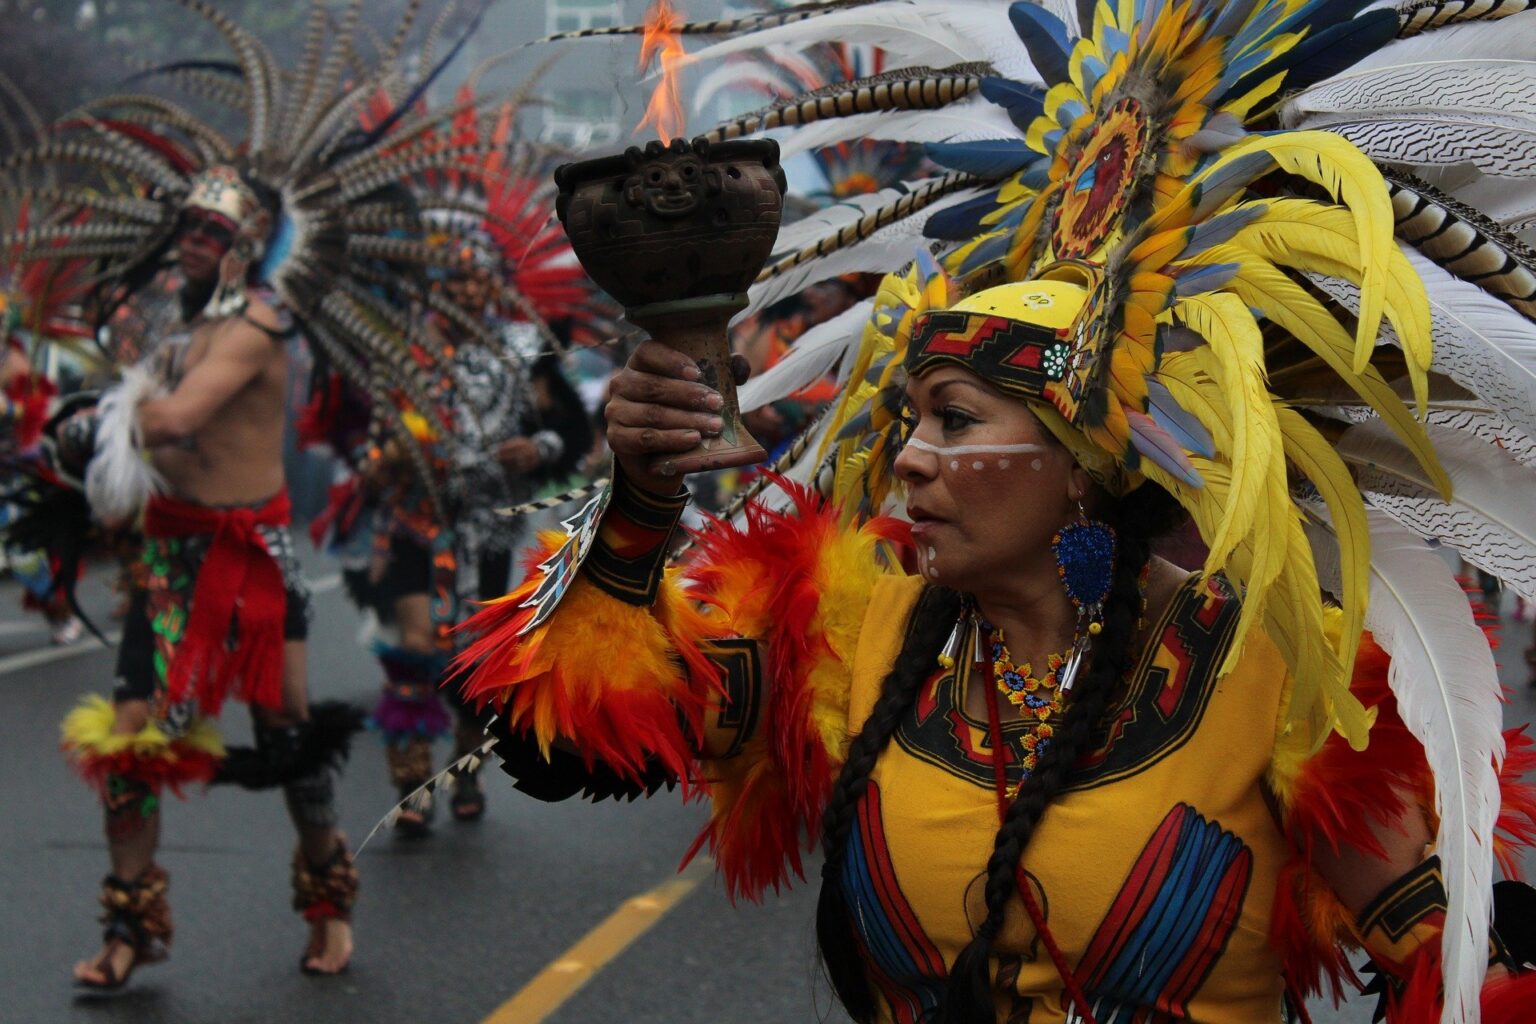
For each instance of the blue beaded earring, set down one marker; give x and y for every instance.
(1085, 561)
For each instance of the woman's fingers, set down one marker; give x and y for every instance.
(652, 389)
(649, 440)
(651, 356)
(661, 417)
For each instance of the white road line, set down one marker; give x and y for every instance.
(46, 655)
(87, 645)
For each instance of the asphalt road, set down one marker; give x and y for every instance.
(448, 930)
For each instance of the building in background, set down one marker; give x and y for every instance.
(592, 96)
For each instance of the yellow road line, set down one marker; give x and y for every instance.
(552, 986)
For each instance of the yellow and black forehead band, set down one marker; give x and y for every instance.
(1016, 357)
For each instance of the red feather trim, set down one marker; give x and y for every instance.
(1515, 829)
(773, 567)
(765, 580)
(1509, 1000)
(1306, 927)
(645, 708)
(1505, 1000)
(1336, 792)
(1339, 788)
(181, 765)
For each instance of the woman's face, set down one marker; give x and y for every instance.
(987, 486)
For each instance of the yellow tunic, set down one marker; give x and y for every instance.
(1156, 868)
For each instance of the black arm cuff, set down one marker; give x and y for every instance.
(630, 552)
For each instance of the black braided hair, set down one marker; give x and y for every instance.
(932, 620)
(969, 998)
(1138, 518)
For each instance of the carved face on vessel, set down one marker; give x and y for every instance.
(671, 185)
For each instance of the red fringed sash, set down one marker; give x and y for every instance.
(238, 571)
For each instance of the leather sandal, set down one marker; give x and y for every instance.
(324, 892)
(136, 915)
(468, 801)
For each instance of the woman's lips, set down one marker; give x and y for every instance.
(923, 523)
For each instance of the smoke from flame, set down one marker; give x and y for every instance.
(664, 112)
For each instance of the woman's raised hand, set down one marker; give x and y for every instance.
(658, 408)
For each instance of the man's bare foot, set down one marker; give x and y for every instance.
(330, 947)
(110, 968)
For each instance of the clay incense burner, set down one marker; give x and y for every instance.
(677, 234)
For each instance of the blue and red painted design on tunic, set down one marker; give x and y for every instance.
(904, 963)
(1170, 922)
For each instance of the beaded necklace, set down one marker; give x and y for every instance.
(1039, 697)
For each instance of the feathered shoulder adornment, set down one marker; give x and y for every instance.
(764, 621)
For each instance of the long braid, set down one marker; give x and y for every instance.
(969, 997)
(935, 615)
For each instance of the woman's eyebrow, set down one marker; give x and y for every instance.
(951, 382)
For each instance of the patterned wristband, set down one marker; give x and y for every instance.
(630, 551)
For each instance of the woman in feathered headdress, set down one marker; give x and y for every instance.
(1053, 777)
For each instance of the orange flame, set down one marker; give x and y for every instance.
(664, 112)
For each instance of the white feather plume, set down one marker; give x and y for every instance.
(1433, 109)
(811, 358)
(1512, 37)
(1480, 343)
(1490, 520)
(1447, 689)
(788, 74)
(119, 479)
(1490, 428)
(1467, 418)
(1501, 146)
(828, 221)
(891, 246)
(1509, 201)
(936, 33)
(968, 120)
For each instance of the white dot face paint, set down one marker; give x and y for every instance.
(951, 453)
(932, 554)
(1035, 464)
(933, 573)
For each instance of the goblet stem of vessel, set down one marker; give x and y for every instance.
(697, 328)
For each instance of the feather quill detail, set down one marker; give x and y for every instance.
(1490, 520)
(910, 34)
(1447, 690)
(1480, 342)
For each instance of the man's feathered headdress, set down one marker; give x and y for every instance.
(343, 250)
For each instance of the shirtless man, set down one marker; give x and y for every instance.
(224, 611)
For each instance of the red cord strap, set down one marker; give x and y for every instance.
(1075, 995)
